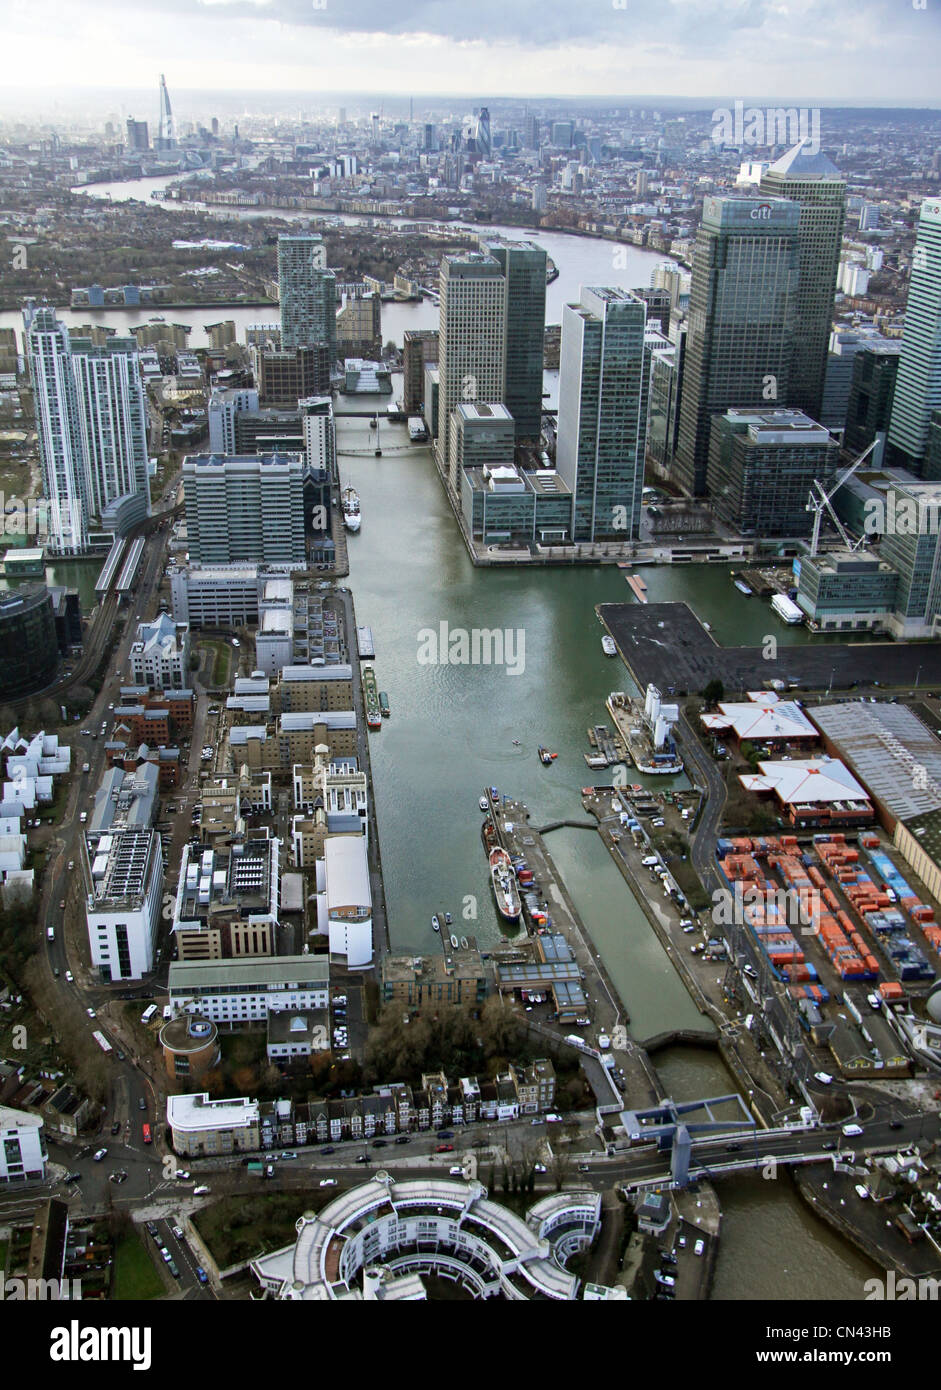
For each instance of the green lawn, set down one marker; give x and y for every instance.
(220, 667)
(135, 1278)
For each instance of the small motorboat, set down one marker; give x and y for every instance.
(447, 919)
(484, 804)
(435, 924)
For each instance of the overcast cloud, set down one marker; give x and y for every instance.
(853, 52)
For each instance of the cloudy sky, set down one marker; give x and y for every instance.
(857, 52)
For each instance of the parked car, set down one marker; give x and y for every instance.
(172, 1267)
(328, 1149)
(379, 1143)
(70, 977)
(201, 1275)
(200, 1191)
(444, 1148)
(402, 1139)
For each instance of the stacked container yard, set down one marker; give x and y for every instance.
(890, 925)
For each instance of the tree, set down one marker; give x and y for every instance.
(714, 691)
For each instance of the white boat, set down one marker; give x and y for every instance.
(483, 804)
(351, 513)
(787, 611)
(608, 645)
(742, 587)
(504, 885)
(435, 924)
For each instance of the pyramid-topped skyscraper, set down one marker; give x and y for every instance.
(808, 177)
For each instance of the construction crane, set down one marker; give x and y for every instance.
(819, 504)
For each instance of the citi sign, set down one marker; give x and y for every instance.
(762, 213)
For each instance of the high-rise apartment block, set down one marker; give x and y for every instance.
(307, 293)
(245, 508)
(92, 425)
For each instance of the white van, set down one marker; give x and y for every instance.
(50, 934)
(851, 1131)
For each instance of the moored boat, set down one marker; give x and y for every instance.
(371, 699)
(349, 499)
(435, 924)
(504, 886)
(608, 645)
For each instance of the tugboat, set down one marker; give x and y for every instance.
(435, 924)
(546, 757)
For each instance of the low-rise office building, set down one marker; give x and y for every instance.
(159, 658)
(204, 1128)
(123, 905)
(239, 993)
(227, 900)
(457, 976)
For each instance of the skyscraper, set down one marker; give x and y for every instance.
(92, 425)
(482, 134)
(602, 412)
(166, 139)
(61, 453)
(523, 264)
(308, 294)
(137, 135)
(918, 381)
(742, 318)
(112, 416)
(814, 182)
(245, 508)
(471, 340)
